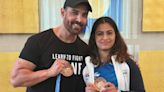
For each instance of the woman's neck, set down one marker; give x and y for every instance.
(104, 56)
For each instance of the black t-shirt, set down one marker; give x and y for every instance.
(44, 48)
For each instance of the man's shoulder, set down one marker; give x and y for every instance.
(82, 43)
(81, 40)
(42, 35)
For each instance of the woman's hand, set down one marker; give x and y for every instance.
(90, 88)
(109, 87)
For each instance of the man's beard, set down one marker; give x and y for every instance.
(74, 27)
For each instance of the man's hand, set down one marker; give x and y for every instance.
(57, 67)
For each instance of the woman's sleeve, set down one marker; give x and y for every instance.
(136, 81)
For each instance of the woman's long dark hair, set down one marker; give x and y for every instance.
(119, 48)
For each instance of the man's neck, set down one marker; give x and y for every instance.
(64, 34)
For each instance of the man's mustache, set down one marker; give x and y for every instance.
(78, 23)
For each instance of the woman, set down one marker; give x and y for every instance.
(113, 63)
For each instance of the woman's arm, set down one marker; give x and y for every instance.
(136, 81)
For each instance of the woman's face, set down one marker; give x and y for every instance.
(105, 37)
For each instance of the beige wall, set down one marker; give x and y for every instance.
(145, 41)
(19, 16)
(151, 66)
(12, 43)
(5, 71)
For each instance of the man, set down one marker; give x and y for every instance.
(46, 54)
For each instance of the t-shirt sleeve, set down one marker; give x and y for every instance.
(136, 81)
(31, 50)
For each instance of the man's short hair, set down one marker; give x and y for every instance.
(75, 3)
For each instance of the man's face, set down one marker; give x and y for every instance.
(75, 19)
